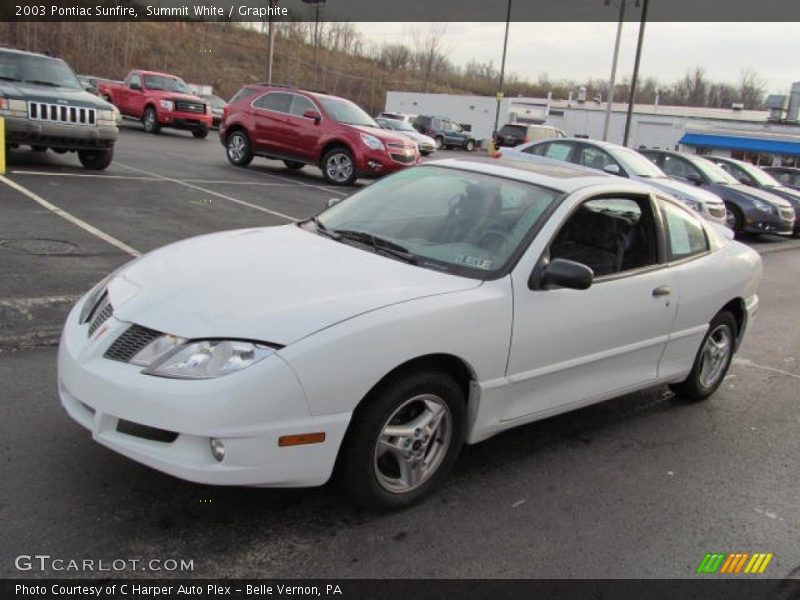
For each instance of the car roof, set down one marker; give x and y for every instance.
(146, 72)
(27, 53)
(545, 172)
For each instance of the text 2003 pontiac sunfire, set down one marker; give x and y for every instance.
(434, 308)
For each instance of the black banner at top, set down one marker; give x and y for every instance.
(718, 11)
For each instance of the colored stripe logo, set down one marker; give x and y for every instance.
(734, 563)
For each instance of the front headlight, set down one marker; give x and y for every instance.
(690, 202)
(94, 297)
(167, 104)
(764, 206)
(171, 356)
(370, 141)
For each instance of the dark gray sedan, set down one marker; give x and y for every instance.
(751, 210)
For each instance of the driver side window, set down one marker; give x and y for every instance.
(610, 235)
(677, 167)
(134, 81)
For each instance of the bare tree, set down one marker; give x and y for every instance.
(429, 50)
(751, 89)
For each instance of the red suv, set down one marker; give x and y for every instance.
(308, 128)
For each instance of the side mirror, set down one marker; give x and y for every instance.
(746, 181)
(613, 169)
(134, 86)
(565, 273)
(313, 115)
(694, 179)
(333, 202)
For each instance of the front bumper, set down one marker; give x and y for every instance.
(182, 120)
(374, 163)
(248, 411)
(762, 222)
(21, 130)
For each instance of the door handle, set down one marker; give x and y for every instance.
(662, 290)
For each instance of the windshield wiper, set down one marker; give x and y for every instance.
(40, 82)
(379, 244)
(323, 229)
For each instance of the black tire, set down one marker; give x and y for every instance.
(200, 133)
(294, 165)
(96, 160)
(342, 155)
(469, 146)
(738, 219)
(439, 142)
(39, 148)
(150, 120)
(357, 463)
(693, 388)
(425, 152)
(238, 148)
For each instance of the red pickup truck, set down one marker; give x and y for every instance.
(159, 100)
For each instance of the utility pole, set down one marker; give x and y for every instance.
(612, 81)
(502, 73)
(270, 41)
(632, 97)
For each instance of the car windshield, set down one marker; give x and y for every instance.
(400, 125)
(215, 101)
(513, 129)
(444, 219)
(40, 70)
(345, 112)
(714, 173)
(637, 164)
(762, 177)
(166, 84)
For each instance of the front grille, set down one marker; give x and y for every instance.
(403, 158)
(190, 107)
(717, 211)
(132, 340)
(100, 314)
(787, 214)
(146, 432)
(60, 113)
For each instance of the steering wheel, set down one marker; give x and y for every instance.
(485, 241)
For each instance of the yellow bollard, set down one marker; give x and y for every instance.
(2, 146)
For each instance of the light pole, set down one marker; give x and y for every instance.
(632, 97)
(612, 80)
(502, 73)
(317, 4)
(270, 41)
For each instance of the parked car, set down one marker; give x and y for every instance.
(749, 210)
(217, 105)
(45, 106)
(445, 132)
(91, 83)
(438, 306)
(308, 128)
(425, 143)
(619, 160)
(159, 100)
(514, 134)
(397, 116)
(788, 176)
(751, 175)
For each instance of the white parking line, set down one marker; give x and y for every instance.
(746, 362)
(208, 191)
(135, 177)
(71, 218)
(296, 182)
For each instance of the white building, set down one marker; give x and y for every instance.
(748, 134)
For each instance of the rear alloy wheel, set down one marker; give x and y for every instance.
(96, 160)
(237, 149)
(200, 133)
(150, 120)
(293, 165)
(404, 440)
(469, 146)
(713, 359)
(338, 167)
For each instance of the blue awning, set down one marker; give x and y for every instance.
(707, 140)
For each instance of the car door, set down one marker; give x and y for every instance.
(302, 133)
(571, 347)
(271, 112)
(129, 95)
(597, 158)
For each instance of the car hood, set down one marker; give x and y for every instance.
(273, 284)
(684, 189)
(418, 137)
(787, 193)
(730, 192)
(46, 93)
(382, 134)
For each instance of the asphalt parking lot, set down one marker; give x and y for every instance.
(641, 486)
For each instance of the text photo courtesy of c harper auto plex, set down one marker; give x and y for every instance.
(365, 299)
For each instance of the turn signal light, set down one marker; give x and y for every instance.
(301, 439)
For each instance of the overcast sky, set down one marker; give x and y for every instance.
(580, 51)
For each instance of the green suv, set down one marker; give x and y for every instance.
(45, 106)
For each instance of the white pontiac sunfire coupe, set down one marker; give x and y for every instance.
(436, 307)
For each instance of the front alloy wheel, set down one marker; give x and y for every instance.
(150, 120)
(338, 167)
(403, 439)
